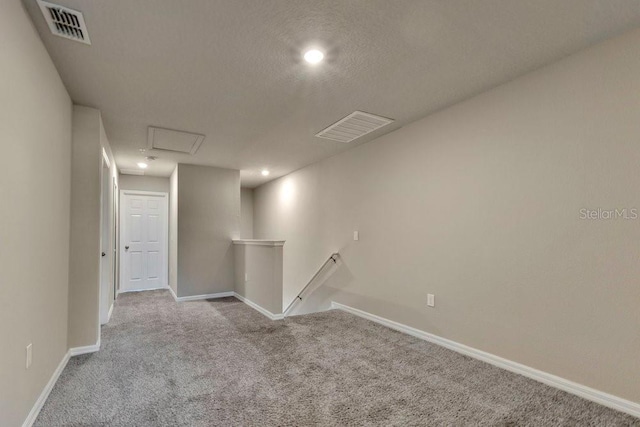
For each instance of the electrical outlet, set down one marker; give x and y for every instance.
(29, 357)
(356, 235)
(246, 277)
(431, 300)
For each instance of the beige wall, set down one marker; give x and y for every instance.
(84, 266)
(246, 213)
(144, 183)
(208, 220)
(35, 188)
(480, 205)
(258, 274)
(173, 231)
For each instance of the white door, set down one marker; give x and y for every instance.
(143, 240)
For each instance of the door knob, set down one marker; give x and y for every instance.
(103, 254)
(126, 247)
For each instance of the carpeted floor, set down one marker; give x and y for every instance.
(221, 363)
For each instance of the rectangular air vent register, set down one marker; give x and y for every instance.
(65, 22)
(353, 126)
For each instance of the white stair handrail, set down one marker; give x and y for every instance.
(334, 257)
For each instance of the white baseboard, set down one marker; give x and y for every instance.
(201, 297)
(35, 410)
(142, 290)
(609, 400)
(77, 351)
(110, 312)
(256, 307)
(250, 303)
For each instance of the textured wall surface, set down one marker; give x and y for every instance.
(208, 220)
(246, 213)
(35, 189)
(258, 275)
(145, 183)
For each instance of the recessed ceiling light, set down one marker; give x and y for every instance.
(265, 172)
(142, 165)
(313, 56)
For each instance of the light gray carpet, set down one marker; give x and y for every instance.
(219, 362)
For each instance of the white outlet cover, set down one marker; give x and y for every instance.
(431, 300)
(29, 355)
(356, 235)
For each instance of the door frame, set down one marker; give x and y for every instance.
(123, 227)
(116, 239)
(105, 241)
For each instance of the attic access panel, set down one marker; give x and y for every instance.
(173, 140)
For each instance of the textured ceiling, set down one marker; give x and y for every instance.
(232, 69)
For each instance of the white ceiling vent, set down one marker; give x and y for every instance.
(64, 22)
(353, 126)
(173, 140)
